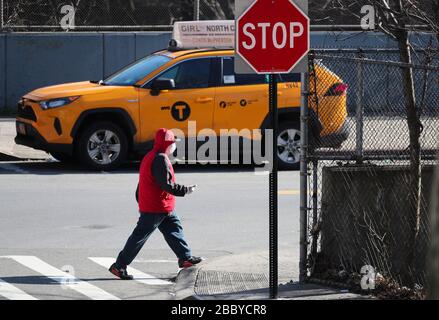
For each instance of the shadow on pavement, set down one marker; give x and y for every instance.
(43, 280)
(112, 278)
(38, 280)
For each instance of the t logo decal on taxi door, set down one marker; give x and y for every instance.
(180, 111)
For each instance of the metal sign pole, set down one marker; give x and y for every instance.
(273, 186)
(303, 177)
(251, 52)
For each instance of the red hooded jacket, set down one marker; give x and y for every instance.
(157, 186)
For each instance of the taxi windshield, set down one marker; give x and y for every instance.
(133, 73)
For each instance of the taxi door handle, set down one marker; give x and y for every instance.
(204, 100)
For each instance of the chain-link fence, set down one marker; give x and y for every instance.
(144, 15)
(362, 208)
(54, 15)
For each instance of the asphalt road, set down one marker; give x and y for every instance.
(56, 218)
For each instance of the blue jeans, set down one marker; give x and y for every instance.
(169, 225)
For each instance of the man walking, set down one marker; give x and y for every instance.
(156, 197)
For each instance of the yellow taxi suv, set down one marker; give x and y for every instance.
(104, 123)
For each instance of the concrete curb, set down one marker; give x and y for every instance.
(185, 284)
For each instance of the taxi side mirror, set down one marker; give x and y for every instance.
(161, 84)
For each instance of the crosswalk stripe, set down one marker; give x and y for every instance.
(138, 275)
(11, 292)
(63, 278)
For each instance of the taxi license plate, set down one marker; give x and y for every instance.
(21, 128)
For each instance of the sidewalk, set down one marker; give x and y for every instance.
(9, 151)
(245, 277)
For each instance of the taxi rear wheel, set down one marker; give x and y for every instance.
(288, 145)
(102, 146)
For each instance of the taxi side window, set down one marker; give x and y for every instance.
(230, 78)
(190, 74)
(289, 77)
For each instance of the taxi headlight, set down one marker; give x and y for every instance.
(58, 102)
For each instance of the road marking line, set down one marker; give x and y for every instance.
(138, 275)
(63, 278)
(11, 292)
(289, 192)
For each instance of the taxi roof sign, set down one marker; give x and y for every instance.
(203, 34)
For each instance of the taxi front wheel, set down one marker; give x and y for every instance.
(102, 146)
(288, 145)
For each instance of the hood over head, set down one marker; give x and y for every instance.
(163, 139)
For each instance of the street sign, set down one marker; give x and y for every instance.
(272, 36)
(203, 34)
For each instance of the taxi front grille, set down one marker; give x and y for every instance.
(26, 112)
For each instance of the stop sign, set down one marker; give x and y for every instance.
(272, 36)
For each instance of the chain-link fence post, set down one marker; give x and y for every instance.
(315, 202)
(196, 10)
(359, 109)
(2, 14)
(303, 177)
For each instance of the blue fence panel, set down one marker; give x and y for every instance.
(147, 43)
(119, 51)
(350, 40)
(2, 71)
(36, 60)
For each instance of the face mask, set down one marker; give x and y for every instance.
(171, 148)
